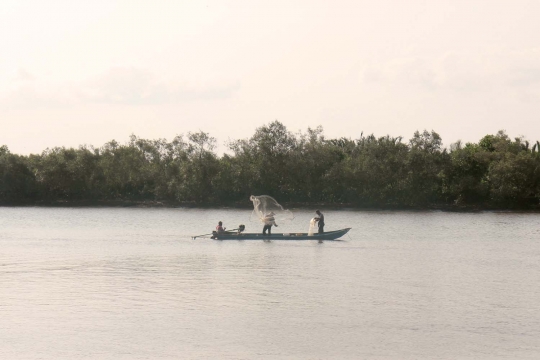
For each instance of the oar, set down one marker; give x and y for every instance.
(194, 237)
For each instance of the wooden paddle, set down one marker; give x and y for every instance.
(194, 237)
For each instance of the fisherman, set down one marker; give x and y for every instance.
(320, 221)
(219, 228)
(269, 220)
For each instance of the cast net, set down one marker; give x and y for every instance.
(312, 227)
(265, 206)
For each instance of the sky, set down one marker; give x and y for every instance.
(76, 72)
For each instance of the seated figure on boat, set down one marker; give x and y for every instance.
(269, 220)
(219, 230)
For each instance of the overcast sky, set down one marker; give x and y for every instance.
(86, 72)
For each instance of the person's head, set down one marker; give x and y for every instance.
(220, 223)
(317, 212)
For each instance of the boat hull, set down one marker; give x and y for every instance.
(330, 235)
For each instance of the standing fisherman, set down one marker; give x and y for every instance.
(269, 220)
(320, 221)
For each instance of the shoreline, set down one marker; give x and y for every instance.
(291, 205)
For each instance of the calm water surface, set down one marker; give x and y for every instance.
(131, 284)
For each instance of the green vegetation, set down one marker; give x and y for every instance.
(384, 172)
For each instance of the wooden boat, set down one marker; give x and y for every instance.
(329, 235)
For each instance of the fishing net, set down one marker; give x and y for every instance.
(265, 206)
(312, 227)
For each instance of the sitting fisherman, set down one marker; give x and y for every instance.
(320, 221)
(219, 230)
(269, 220)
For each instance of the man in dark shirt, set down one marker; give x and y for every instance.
(320, 221)
(269, 220)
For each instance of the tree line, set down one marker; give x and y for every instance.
(303, 168)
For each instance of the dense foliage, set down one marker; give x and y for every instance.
(496, 172)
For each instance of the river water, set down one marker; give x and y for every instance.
(124, 283)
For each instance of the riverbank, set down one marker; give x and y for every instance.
(247, 205)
